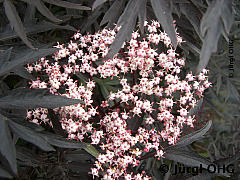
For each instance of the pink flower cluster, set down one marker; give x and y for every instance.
(151, 89)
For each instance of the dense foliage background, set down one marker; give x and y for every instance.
(29, 28)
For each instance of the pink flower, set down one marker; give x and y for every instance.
(149, 81)
(183, 112)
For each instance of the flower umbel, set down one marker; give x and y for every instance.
(126, 123)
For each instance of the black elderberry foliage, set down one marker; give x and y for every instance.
(30, 28)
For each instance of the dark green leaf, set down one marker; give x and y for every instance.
(216, 150)
(34, 98)
(112, 82)
(7, 148)
(163, 13)
(15, 21)
(27, 56)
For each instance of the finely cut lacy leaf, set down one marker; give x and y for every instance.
(97, 3)
(113, 12)
(67, 4)
(232, 91)
(24, 57)
(196, 108)
(7, 148)
(61, 142)
(127, 22)
(205, 175)
(192, 137)
(216, 21)
(43, 140)
(4, 173)
(142, 15)
(5, 55)
(43, 10)
(16, 22)
(34, 28)
(162, 11)
(193, 14)
(34, 98)
(31, 136)
(187, 158)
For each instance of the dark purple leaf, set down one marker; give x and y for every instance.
(163, 13)
(213, 24)
(16, 22)
(113, 12)
(193, 15)
(4, 173)
(24, 57)
(97, 3)
(7, 147)
(43, 10)
(34, 98)
(31, 136)
(127, 21)
(67, 4)
(192, 137)
(142, 15)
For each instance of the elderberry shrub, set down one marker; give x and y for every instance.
(151, 90)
